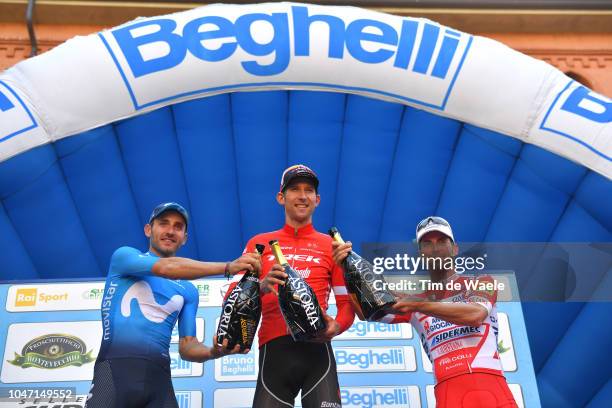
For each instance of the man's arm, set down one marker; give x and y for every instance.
(191, 349)
(463, 314)
(185, 268)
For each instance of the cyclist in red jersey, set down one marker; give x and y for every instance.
(458, 329)
(287, 367)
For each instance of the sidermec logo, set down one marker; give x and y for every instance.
(393, 358)
(15, 117)
(264, 45)
(368, 397)
(581, 115)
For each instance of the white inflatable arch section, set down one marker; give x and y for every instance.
(152, 62)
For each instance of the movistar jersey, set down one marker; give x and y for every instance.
(139, 310)
(455, 349)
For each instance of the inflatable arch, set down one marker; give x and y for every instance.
(400, 117)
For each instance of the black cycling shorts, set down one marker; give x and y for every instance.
(287, 366)
(130, 383)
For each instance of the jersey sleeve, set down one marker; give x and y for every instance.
(127, 261)
(478, 294)
(346, 314)
(187, 316)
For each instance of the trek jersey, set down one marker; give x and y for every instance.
(139, 310)
(454, 349)
(310, 253)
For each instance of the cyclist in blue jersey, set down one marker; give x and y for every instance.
(145, 294)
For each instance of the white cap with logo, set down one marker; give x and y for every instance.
(433, 223)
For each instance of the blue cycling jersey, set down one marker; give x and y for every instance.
(139, 310)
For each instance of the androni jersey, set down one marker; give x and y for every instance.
(454, 349)
(310, 253)
(139, 310)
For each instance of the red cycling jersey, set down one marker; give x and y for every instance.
(454, 349)
(310, 253)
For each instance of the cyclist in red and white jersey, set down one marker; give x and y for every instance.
(287, 366)
(458, 328)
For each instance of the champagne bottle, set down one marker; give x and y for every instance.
(367, 290)
(241, 311)
(298, 303)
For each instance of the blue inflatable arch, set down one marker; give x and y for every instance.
(68, 202)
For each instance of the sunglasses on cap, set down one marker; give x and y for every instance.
(432, 220)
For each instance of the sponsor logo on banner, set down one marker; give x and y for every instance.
(15, 117)
(53, 351)
(183, 368)
(262, 46)
(199, 331)
(238, 367)
(581, 115)
(93, 294)
(189, 399)
(55, 297)
(26, 297)
(505, 345)
(373, 359)
(75, 401)
(50, 351)
(376, 330)
(380, 396)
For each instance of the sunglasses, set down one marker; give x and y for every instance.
(432, 220)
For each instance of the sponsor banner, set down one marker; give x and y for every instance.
(153, 62)
(54, 297)
(44, 352)
(76, 401)
(234, 397)
(426, 363)
(238, 367)
(580, 119)
(381, 396)
(505, 345)
(376, 330)
(199, 331)
(185, 399)
(375, 359)
(189, 399)
(518, 394)
(514, 388)
(183, 368)
(14, 114)
(211, 291)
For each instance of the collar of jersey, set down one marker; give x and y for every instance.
(299, 232)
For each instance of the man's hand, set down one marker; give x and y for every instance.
(219, 350)
(333, 329)
(407, 306)
(276, 276)
(341, 251)
(247, 262)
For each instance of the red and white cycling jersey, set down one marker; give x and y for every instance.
(454, 349)
(309, 253)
